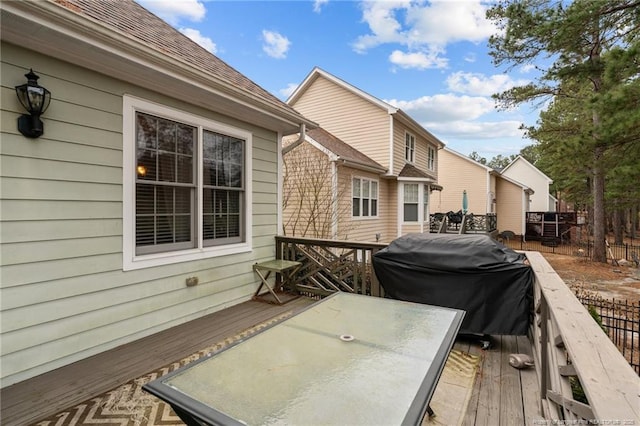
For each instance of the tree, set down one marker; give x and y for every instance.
(568, 43)
(477, 157)
(314, 200)
(500, 162)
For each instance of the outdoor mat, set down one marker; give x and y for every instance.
(129, 405)
(451, 398)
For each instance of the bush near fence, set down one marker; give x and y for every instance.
(620, 320)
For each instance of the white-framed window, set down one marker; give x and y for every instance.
(410, 147)
(364, 197)
(431, 158)
(410, 204)
(415, 202)
(425, 203)
(186, 182)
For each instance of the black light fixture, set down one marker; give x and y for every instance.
(35, 99)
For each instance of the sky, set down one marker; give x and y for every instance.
(429, 59)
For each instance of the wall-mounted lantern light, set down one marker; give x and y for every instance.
(35, 99)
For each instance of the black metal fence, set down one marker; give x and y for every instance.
(628, 252)
(620, 320)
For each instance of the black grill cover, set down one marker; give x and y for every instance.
(472, 272)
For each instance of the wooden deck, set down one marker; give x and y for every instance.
(502, 395)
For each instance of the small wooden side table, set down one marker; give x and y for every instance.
(287, 270)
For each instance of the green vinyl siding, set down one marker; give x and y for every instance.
(64, 295)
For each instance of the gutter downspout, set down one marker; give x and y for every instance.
(303, 135)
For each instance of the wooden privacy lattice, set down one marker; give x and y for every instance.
(329, 266)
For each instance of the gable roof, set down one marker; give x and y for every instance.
(124, 40)
(399, 114)
(342, 152)
(521, 159)
(469, 160)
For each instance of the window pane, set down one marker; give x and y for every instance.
(411, 193)
(146, 131)
(145, 199)
(374, 189)
(374, 207)
(145, 230)
(186, 135)
(146, 165)
(365, 189)
(166, 136)
(164, 200)
(356, 188)
(356, 207)
(167, 167)
(182, 228)
(235, 176)
(185, 169)
(410, 212)
(365, 208)
(183, 202)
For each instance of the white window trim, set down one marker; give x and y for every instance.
(132, 261)
(370, 217)
(421, 196)
(431, 165)
(411, 160)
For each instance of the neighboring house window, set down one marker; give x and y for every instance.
(365, 197)
(431, 158)
(411, 202)
(410, 147)
(187, 178)
(425, 204)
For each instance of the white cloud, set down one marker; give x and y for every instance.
(475, 129)
(318, 4)
(173, 11)
(525, 69)
(275, 45)
(445, 107)
(479, 84)
(418, 60)
(203, 41)
(287, 91)
(424, 29)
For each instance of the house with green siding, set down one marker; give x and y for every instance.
(159, 165)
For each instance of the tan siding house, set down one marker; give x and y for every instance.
(512, 205)
(488, 191)
(86, 263)
(386, 135)
(331, 190)
(523, 171)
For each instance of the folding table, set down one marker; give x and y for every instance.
(287, 270)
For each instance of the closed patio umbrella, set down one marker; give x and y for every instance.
(465, 202)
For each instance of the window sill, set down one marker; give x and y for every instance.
(161, 259)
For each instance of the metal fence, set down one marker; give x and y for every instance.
(628, 252)
(620, 320)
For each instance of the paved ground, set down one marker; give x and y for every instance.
(610, 281)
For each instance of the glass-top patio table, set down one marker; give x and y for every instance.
(346, 360)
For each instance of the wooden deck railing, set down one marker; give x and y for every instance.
(573, 353)
(471, 224)
(330, 265)
(570, 349)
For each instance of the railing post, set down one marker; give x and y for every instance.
(544, 350)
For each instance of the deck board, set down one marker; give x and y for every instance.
(501, 394)
(45, 395)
